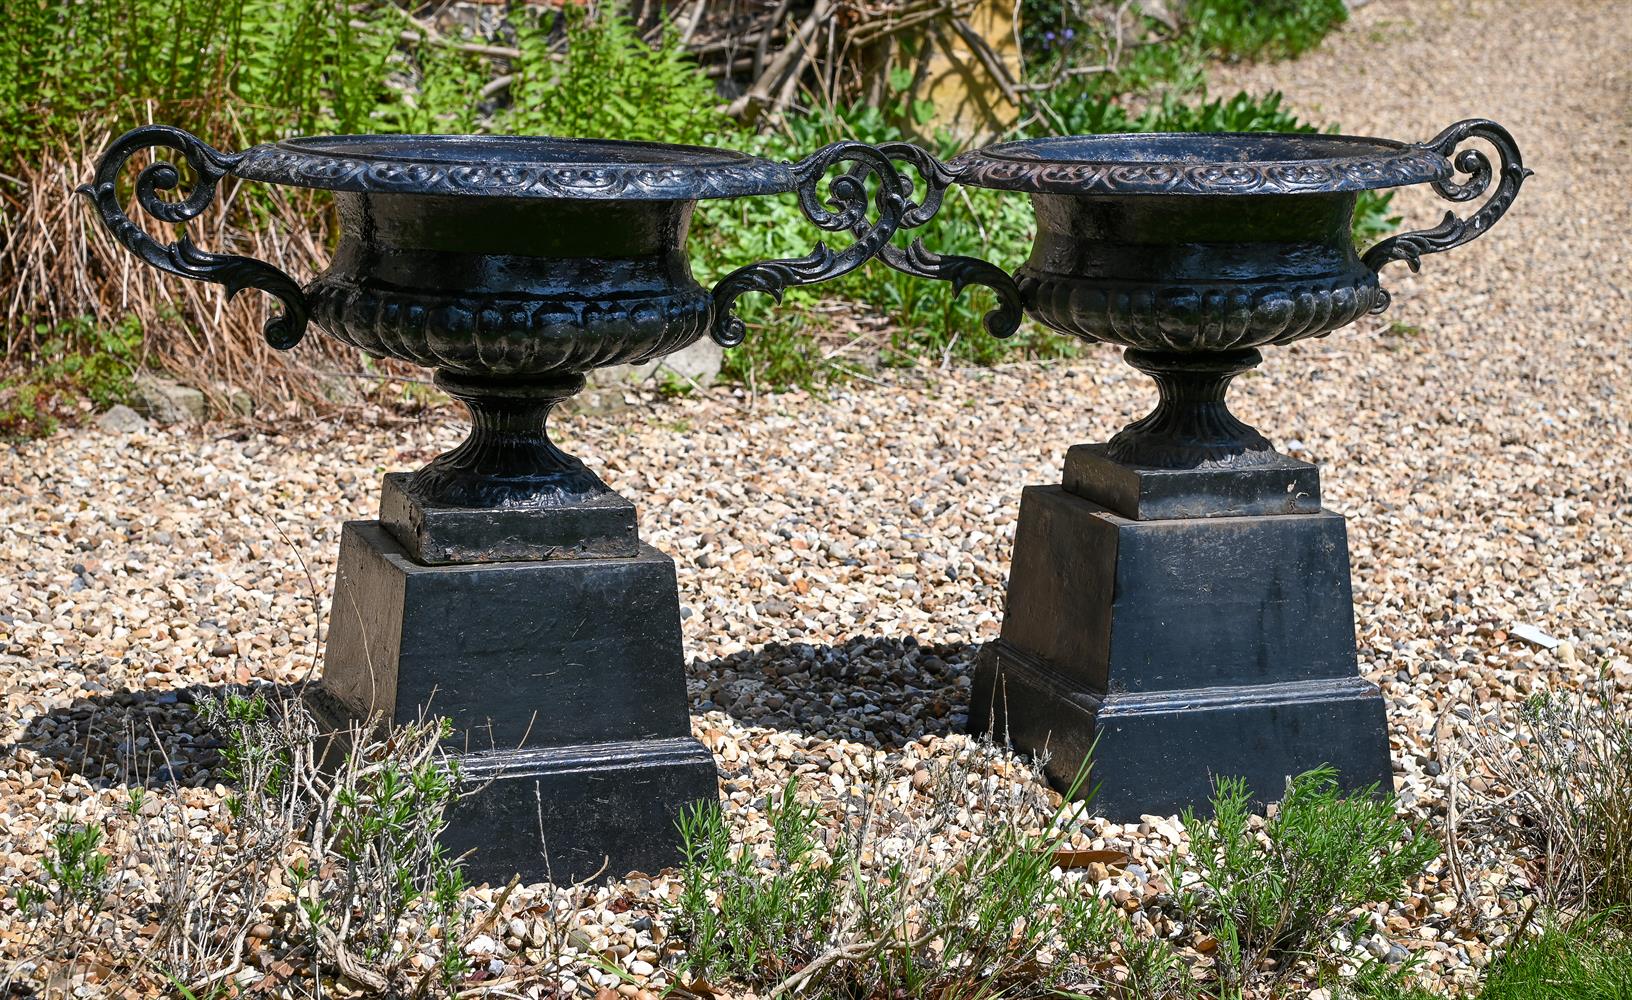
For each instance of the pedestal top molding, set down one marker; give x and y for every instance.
(508, 166)
(1169, 163)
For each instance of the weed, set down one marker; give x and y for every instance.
(1557, 784)
(1280, 890)
(77, 367)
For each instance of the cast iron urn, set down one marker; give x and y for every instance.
(504, 585)
(1179, 607)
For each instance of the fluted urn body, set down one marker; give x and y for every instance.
(511, 266)
(1192, 251)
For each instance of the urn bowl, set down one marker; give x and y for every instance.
(1194, 250)
(1193, 243)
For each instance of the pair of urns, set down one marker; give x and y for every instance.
(1179, 607)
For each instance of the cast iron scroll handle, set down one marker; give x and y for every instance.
(182, 257)
(1453, 231)
(918, 260)
(846, 209)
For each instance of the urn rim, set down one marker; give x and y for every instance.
(1200, 163)
(514, 166)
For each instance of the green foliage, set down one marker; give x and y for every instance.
(77, 870)
(995, 920)
(77, 361)
(1069, 32)
(1262, 29)
(1587, 961)
(275, 64)
(1321, 855)
(610, 83)
(253, 755)
(768, 919)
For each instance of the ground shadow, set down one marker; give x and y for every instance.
(883, 692)
(148, 738)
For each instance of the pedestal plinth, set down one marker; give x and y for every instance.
(1180, 649)
(565, 683)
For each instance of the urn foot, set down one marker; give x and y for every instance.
(507, 493)
(1148, 493)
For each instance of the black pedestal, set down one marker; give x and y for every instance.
(1214, 645)
(564, 681)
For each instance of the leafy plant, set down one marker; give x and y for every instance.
(1279, 892)
(746, 920)
(78, 362)
(75, 869)
(1238, 30)
(872, 910)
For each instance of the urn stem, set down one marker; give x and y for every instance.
(1191, 427)
(508, 460)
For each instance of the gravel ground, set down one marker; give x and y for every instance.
(840, 559)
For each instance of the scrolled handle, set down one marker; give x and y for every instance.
(918, 260)
(1454, 231)
(182, 258)
(846, 210)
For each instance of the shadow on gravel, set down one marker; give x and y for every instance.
(151, 738)
(883, 692)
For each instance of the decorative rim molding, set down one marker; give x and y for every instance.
(1112, 164)
(514, 167)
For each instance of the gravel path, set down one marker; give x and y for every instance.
(841, 559)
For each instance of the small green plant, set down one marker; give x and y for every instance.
(76, 869)
(748, 921)
(75, 362)
(1280, 891)
(871, 910)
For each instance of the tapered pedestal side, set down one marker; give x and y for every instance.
(1179, 625)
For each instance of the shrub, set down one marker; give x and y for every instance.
(1555, 781)
(77, 365)
(1258, 29)
(339, 861)
(1280, 891)
(885, 908)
